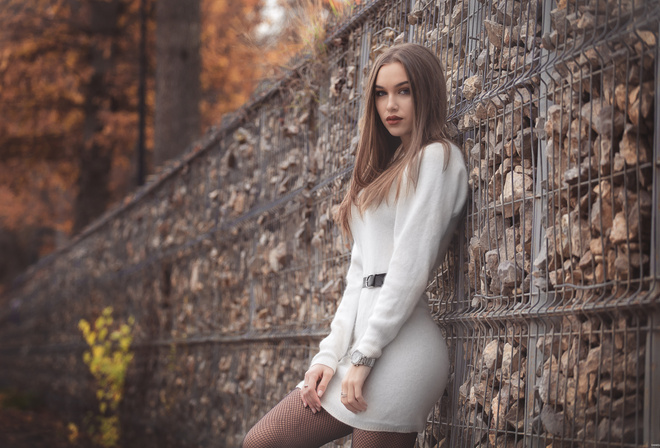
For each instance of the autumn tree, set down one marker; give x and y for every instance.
(68, 102)
(99, 25)
(178, 66)
(68, 71)
(232, 56)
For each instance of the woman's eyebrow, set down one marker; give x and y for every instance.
(398, 85)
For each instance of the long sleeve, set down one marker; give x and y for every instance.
(335, 345)
(424, 217)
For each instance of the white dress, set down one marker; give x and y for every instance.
(406, 240)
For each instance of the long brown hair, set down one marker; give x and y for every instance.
(381, 158)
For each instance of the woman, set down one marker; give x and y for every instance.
(384, 364)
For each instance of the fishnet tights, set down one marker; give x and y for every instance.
(289, 424)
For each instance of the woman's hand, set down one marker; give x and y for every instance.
(316, 380)
(351, 388)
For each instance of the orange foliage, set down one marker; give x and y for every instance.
(45, 71)
(47, 67)
(230, 60)
(40, 103)
(303, 31)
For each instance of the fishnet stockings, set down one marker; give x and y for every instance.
(289, 424)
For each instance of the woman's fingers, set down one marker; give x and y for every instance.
(323, 384)
(348, 404)
(314, 385)
(304, 400)
(352, 398)
(352, 388)
(359, 399)
(308, 394)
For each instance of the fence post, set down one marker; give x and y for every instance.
(539, 296)
(652, 367)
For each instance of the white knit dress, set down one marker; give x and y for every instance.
(406, 240)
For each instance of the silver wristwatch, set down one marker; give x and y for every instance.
(358, 359)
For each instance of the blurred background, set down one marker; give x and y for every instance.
(96, 96)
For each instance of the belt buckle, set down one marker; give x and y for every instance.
(370, 281)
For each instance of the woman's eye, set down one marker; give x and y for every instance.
(404, 91)
(380, 92)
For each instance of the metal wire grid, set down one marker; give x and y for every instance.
(226, 388)
(301, 278)
(617, 424)
(613, 182)
(283, 143)
(443, 296)
(474, 330)
(360, 12)
(340, 97)
(582, 397)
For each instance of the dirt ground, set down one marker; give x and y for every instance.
(33, 427)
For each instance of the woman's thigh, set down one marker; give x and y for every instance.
(375, 439)
(290, 424)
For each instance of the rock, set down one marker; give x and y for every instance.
(516, 186)
(525, 143)
(597, 356)
(491, 354)
(481, 59)
(482, 394)
(459, 13)
(552, 384)
(601, 217)
(509, 273)
(633, 147)
(554, 422)
(277, 257)
(472, 87)
(492, 262)
(516, 385)
(605, 120)
(500, 406)
(541, 260)
(337, 81)
(416, 13)
(510, 359)
(640, 103)
(558, 20)
(570, 358)
(575, 175)
(580, 233)
(495, 32)
(516, 416)
(557, 121)
(623, 228)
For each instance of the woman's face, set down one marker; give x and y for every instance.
(394, 101)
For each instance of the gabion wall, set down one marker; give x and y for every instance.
(232, 264)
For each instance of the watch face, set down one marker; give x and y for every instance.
(356, 357)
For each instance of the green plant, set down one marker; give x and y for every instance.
(19, 399)
(108, 358)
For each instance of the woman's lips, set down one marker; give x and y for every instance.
(393, 119)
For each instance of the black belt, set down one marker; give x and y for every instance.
(373, 281)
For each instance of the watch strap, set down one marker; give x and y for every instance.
(358, 359)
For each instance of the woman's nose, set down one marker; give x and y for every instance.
(391, 103)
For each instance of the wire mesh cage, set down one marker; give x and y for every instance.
(233, 266)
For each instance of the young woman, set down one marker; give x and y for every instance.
(384, 364)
